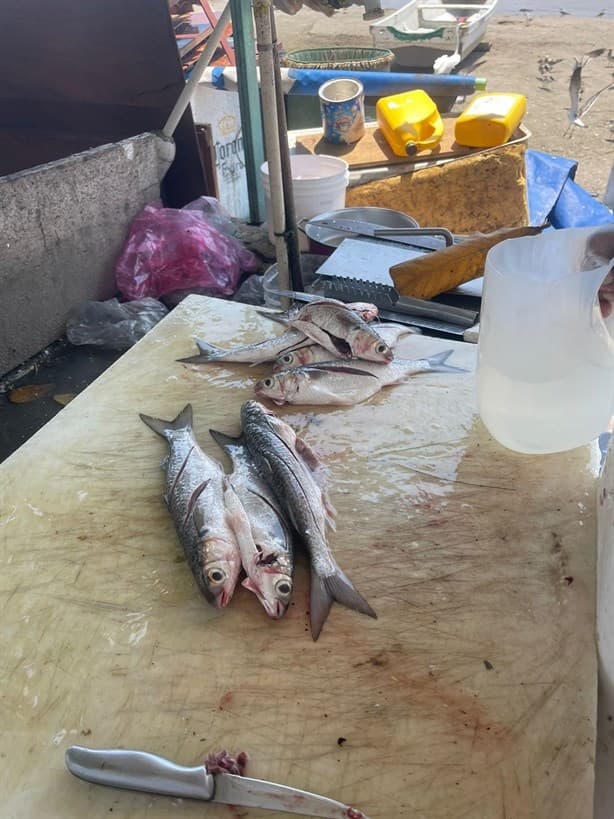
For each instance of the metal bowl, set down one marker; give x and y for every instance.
(386, 217)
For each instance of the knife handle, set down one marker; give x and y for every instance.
(139, 771)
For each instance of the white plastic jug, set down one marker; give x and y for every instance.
(545, 374)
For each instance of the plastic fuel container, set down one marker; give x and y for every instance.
(490, 119)
(410, 122)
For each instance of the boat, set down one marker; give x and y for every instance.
(432, 34)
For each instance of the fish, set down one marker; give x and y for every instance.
(269, 565)
(341, 331)
(366, 310)
(207, 514)
(314, 353)
(345, 382)
(259, 352)
(293, 472)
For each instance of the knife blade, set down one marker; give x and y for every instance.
(424, 238)
(143, 771)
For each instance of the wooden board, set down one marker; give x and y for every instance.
(373, 150)
(472, 695)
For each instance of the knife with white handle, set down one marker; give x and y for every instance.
(142, 771)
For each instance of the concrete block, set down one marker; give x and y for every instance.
(61, 228)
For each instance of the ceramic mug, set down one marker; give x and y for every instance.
(342, 102)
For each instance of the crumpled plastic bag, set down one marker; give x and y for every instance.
(169, 249)
(214, 212)
(111, 324)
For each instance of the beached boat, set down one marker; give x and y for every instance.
(432, 34)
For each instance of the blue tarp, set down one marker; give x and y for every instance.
(554, 196)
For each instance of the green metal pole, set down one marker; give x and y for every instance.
(249, 103)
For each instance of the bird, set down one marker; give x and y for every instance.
(577, 110)
(600, 13)
(562, 12)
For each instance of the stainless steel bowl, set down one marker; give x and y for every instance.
(386, 217)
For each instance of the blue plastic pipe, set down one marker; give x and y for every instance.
(382, 83)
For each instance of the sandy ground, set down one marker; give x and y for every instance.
(508, 58)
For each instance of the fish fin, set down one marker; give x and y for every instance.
(334, 367)
(224, 440)
(327, 590)
(249, 584)
(330, 511)
(206, 352)
(162, 427)
(281, 318)
(308, 454)
(438, 364)
(334, 344)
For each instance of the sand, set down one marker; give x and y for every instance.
(508, 58)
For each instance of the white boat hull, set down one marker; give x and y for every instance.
(420, 44)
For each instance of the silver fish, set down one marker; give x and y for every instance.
(287, 464)
(344, 382)
(366, 310)
(267, 350)
(208, 516)
(314, 353)
(341, 331)
(270, 563)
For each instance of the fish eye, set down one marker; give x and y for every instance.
(381, 348)
(283, 587)
(287, 359)
(216, 576)
(268, 383)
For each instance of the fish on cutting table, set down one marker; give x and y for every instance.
(207, 514)
(366, 310)
(345, 382)
(289, 466)
(314, 353)
(259, 352)
(341, 331)
(269, 565)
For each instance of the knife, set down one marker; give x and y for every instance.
(142, 771)
(415, 236)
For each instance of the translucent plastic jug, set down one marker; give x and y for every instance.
(545, 373)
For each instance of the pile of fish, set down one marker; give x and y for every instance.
(248, 519)
(330, 354)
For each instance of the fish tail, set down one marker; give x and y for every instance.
(206, 352)
(162, 427)
(327, 590)
(224, 440)
(437, 363)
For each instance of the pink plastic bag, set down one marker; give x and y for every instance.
(170, 249)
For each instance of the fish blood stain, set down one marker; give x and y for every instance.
(352, 813)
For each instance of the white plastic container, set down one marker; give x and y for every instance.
(545, 375)
(319, 183)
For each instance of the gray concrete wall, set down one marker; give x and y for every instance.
(61, 228)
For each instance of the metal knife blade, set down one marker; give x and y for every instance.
(255, 793)
(415, 236)
(142, 771)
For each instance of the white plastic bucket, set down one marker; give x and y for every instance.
(319, 183)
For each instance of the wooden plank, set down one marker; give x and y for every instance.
(472, 695)
(373, 150)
